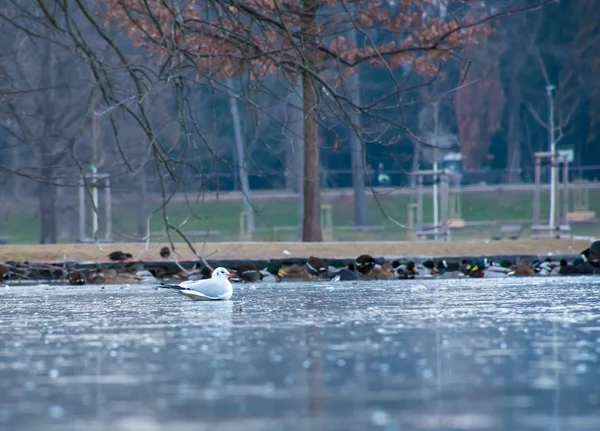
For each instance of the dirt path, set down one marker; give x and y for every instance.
(270, 250)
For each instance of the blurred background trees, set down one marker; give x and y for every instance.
(175, 99)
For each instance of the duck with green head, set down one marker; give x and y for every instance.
(496, 270)
(405, 271)
(474, 269)
(482, 268)
(426, 269)
(295, 271)
(273, 273)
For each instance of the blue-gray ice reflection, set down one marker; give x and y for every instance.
(519, 354)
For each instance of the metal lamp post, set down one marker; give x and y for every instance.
(553, 169)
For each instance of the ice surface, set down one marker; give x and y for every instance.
(509, 354)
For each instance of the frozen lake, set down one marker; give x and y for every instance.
(517, 354)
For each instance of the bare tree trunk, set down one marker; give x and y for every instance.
(415, 164)
(357, 153)
(425, 128)
(15, 164)
(142, 215)
(66, 215)
(295, 151)
(290, 183)
(358, 180)
(242, 167)
(46, 157)
(513, 160)
(47, 205)
(311, 222)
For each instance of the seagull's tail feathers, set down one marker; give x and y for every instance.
(171, 286)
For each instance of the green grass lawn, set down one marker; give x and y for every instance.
(272, 214)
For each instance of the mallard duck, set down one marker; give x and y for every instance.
(522, 269)
(316, 266)
(585, 268)
(77, 278)
(345, 274)
(496, 270)
(247, 272)
(295, 272)
(474, 269)
(483, 269)
(426, 270)
(165, 252)
(159, 271)
(567, 269)
(203, 273)
(406, 271)
(592, 254)
(364, 264)
(145, 277)
(442, 267)
(110, 276)
(96, 276)
(463, 267)
(503, 263)
(545, 268)
(123, 278)
(384, 271)
(272, 273)
(119, 256)
(3, 272)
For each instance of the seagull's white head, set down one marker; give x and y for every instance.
(221, 272)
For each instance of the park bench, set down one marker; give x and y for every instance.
(457, 223)
(192, 236)
(429, 234)
(545, 231)
(510, 231)
(204, 235)
(581, 216)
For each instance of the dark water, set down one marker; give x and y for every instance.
(519, 354)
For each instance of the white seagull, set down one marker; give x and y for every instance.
(215, 288)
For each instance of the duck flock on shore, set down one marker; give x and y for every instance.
(364, 267)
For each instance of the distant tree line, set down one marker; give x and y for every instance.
(171, 93)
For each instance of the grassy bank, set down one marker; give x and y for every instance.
(270, 250)
(276, 218)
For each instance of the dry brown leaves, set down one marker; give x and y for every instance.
(264, 35)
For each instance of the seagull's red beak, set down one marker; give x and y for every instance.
(231, 275)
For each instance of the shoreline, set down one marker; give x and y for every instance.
(258, 251)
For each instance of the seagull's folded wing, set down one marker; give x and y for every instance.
(204, 290)
(194, 295)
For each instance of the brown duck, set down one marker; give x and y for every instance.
(522, 269)
(77, 278)
(295, 272)
(385, 271)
